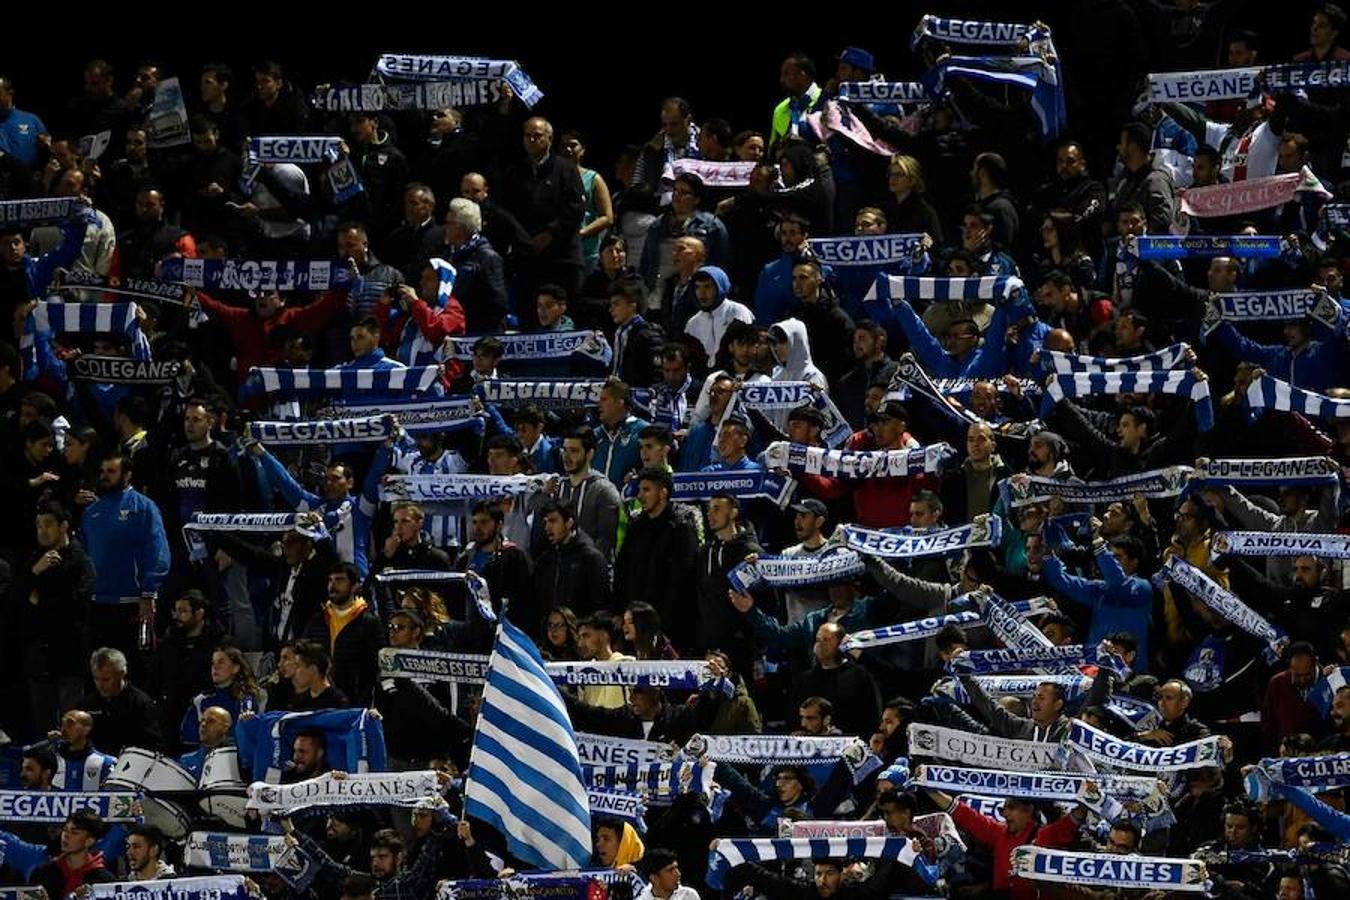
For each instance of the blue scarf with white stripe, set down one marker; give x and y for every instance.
(53, 318)
(732, 852)
(541, 345)
(1267, 472)
(413, 347)
(259, 274)
(420, 67)
(1157, 484)
(868, 250)
(1010, 659)
(1268, 392)
(801, 459)
(909, 543)
(1324, 691)
(796, 571)
(348, 381)
(1173, 357)
(893, 288)
(1039, 76)
(1180, 383)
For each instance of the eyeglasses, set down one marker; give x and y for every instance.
(401, 626)
(556, 626)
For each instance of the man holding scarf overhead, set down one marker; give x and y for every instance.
(418, 322)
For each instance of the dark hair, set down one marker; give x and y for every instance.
(43, 756)
(489, 345)
(979, 212)
(647, 627)
(802, 774)
(269, 67)
(134, 407)
(386, 839)
(656, 859)
(618, 390)
(347, 570)
(1133, 547)
(1129, 827)
(550, 507)
(630, 289)
(358, 885)
(1125, 640)
(1300, 648)
(88, 822)
(197, 599)
(38, 430)
(490, 509)
(893, 797)
(805, 63)
(950, 636)
(556, 291)
(1244, 809)
(658, 477)
(202, 124)
(659, 433)
(600, 620)
(1245, 36)
(153, 836)
(1335, 15)
(508, 442)
(1138, 134)
(530, 415)
(1143, 415)
(1208, 153)
(584, 435)
(313, 653)
(821, 703)
(994, 166)
(222, 71)
(717, 129)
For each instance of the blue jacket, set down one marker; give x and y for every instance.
(988, 360)
(773, 291)
(618, 455)
(18, 135)
(224, 697)
(864, 614)
(347, 519)
(697, 450)
(547, 456)
(39, 271)
(24, 857)
(1318, 366)
(1119, 602)
(745, 464)
(703, 225)
(124, 535)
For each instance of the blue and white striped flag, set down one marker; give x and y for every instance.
(347, 381)
(524, 772)
(57, 317)
(1177, 381)
(445, 274)
(921, 287)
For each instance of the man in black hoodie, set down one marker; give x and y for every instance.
(728, 545)
(659, 557)
(570, 571)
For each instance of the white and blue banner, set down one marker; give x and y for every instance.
(1009, 659)
(538, 345)
(423, 95)
(1202, 246)
(143, 288)
(1103, 749)
(571, 884)
(474, 583)
(893, 92)
(307, 524)
(1314, 773)
(1202, 86)
(657, 783)
(851, 465)
(54, 807)
(60, 317)
(1174, 357)
(259, 274)
(971, 31)
(895, 288)
(212, 887)
(1203, 588)
(788, 395)
(457, 488)
(908, 543)
(1111, 870)
(982, 750)
(1325, 690)
(1280, 543)
(235, 852)
(419, 67)
(366, 790)
(22, 213)
(868, 250)
(956, 387)
(1178, 382)
(743, 485)
(772, 749)
(369, 430)
(1064, 786)
(1267, 306)
(433, 665)
(413, 416)
(1268, 392)
(922, 629)
(120, 370)
(1329, 74)
(1009, 625)
(298, 149)
(728, 853)
(621, 805)
(1267, 472)
(714, 173)
(680, 675)
(796, 571)
(1158, 484)
(549, 393)
(346, 381)
(603, 750)
(1038, 74)
(1075, 686)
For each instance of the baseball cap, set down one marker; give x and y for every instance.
(812, 506)
(891, 409)
(858, 58)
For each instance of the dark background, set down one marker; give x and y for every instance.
(603, 68)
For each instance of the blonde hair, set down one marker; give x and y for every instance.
(429, 604)
(872, 211)
(911, 169)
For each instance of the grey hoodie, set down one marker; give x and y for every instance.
(798, 366)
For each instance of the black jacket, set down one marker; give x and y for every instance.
(675, 722)
(287, 114)
(182, 670)
(54, 606)
(852, 690)
(548, 198)
(719, 626)
(384, 171)
(831, 334)
(308, 595)
(656, 565)
(640, 362)
(130, 719)
(480, 286)
(573, 574)
(508, 576)
(443, 165)
(355, 652)
(408, 246)
(417, 724)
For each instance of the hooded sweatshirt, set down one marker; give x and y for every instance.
(708, 325)
(797, 367)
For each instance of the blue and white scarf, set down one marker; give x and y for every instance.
(1330, 74)
(603, 750)
(1103, 749)
(120, 370)
(413, 416)
(1246, 246)
(22, 213)
(657, 783)
(895, 288)
(1091, 384)
(414, 349)
(308, 524)
(744, 485)
(922, 629)
(788, 395)
(1279, 543)
(851, 465)
(548, 393)
(53, 807)
(365, 430)
(433, 665)
(797, 571)
(679, 675)
(259, 274)
(732, 852)
(58, 317)
(1315, 773)
(474, 583)
(1202, 86)
(145, 288)
(981, 749)
(1268, 392)
(364, 790)
(423, 95)
(1267, 306)
(354, 740)
(234, 852)
(540, 345)
(418, 67)
(892, 92)
(1157, 484)
(973, 32)
(297, 149)
(1038, 74)
(457, 488)
(1034, 785)
(566, 885)
(770, 749)
(1204, 589)
(713, 173)
(345, 380)
(1074, 686)
(1324, 691)
(1173, 357)
(1267, 472)
(990, 662)
(1009, 625)
(620, 805)
(861, 251)
(956, 387)
(1333, 220)
(847, 828)
(1110, 870)
(213, 887)
(907, 543)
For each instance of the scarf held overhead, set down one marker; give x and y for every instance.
(259, 274)
(1110, 870)
(539, 345)
(1251, 195)
(1157, 484)
(1268, 392)
(413, 416)
(446, 488)
(1204, 246)
(368, 790)
(1187, 384)
(418, 67)
(796, 571)
(213, 887)
(981, 750)
(1173, 357)
(53, 807)
(1106, 750)
(347, 381)
(728, 853)
(1202, 86)
(1277, 543)
(1203, 588)
(801, 459)
(907, 543)
(868, 250)
(368, 430)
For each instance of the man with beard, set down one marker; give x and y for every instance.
(348, 627)
(182, 662)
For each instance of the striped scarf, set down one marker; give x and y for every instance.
(732, 852)
(894, 288)
(1268, 392)
(1180, 383)
(1173, 357)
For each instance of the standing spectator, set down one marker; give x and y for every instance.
(22, 134)
(570, 571)
(417, 236)
(616, 437)
(637, 342)
(1144, 183)
(838, 678)
(1287, 709)
(277, 106)
(592, 497)
(123, 714)
(989, 177)
(480, 282)
(347, 626)
(383, 170)
(659, 556)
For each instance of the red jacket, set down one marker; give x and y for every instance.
(1286, 713)
(249, 333)
(435, 324)
(994, 834)
(884, 502)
